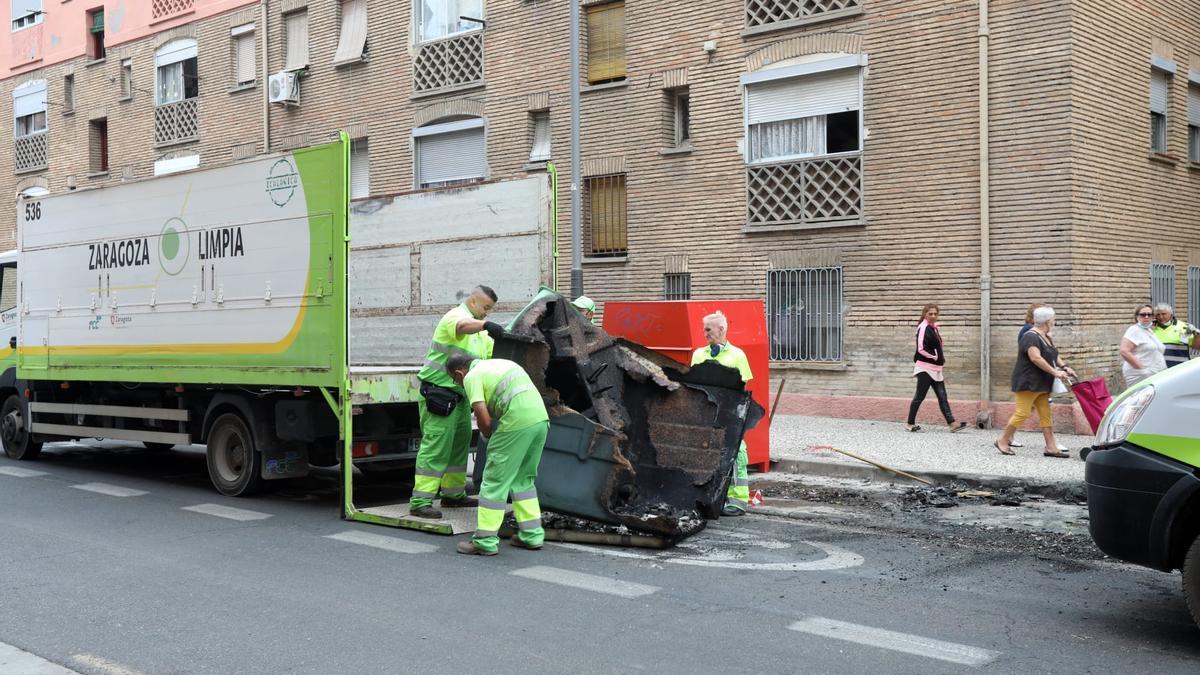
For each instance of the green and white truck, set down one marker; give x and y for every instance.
(1143, 477)
(231, 307)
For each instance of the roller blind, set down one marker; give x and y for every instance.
(353, 38)
(1160, 85)
(244, 58)
(540, 149)
(297, 40)
(360, 169)
(456, 155)
(819, 94)
(29, 99)
(1194, 105)
(606, 42)
(175, 51)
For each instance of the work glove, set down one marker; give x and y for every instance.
(494, 330)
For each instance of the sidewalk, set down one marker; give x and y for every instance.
(934, 453)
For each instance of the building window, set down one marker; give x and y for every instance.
(1193, 293)
(1160, 101)
(176, 114)
(352, 42)
(8, 287)
(126, 79)
(95, 42)
(803, 146)
(677, 286)
(1162, 283)
(679, 119)
(1194, 123)
(296, 40)
(26, 13)
(360, 169)
(450, 152)
(29, 126)
(539, 146)
(165, 8)
(98, 146)
(442, 18)
(607, 218)
(771, 12)
(68, 93)
(606, 43)
(245, 61)
(804, 314)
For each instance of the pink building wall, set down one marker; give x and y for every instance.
(63, 32)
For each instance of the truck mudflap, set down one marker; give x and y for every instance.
(636, 439)
(1134, 496)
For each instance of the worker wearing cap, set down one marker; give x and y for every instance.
(445, 420)
(720, 350)
(1179, 337)
(510, 413)
(586, 306)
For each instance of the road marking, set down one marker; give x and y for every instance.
(15, 660)
(382, 541)
(587, 582)
(227, 512)
(103, 664)
(836, 558)
(897, 642)
(110, 490)
(18, 472)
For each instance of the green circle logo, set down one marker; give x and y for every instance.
(173, 247)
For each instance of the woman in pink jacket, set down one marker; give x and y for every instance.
(929, 359)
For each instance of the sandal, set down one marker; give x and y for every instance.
(954, 428)
(914, 428)
(1003, 451)
(1060, 455)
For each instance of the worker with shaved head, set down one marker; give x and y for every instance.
(719, 349)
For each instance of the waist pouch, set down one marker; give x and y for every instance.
(439, 400)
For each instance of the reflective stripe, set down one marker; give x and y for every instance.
(456, 469)
(509, 396)
(486, 533)
(450, 350)
(434, 365)
(736, 502)
(528, 494)
(432, 473)
(742, 481)
(418, 494)
(493, 505)
(502, 395)
(530, 524)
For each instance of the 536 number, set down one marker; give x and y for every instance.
(33, 211)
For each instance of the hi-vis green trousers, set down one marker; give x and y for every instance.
(512, 464)
(442, 459)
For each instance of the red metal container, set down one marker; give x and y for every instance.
(675, 328)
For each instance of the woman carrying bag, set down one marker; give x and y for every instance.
(929, 359)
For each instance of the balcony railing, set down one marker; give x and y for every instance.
(768, 12)
(449, 62)
(32, 152)
(806, 192)
(163, 8)
(176, 122)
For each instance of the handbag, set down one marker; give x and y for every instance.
(439, 400)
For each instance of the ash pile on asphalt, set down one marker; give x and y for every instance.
(560, 521)
(957, 493)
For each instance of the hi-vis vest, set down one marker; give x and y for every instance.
(446, 341)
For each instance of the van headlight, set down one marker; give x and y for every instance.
(1124, 416)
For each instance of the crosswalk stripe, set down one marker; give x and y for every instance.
(394, 544)
(587, 582)
(16, 660)
(18, 472)
(110, 490)
(894, 641)
(227, 512)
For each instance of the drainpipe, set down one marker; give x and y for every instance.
(985, 243)
(266, 78)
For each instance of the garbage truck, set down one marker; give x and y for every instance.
(1143, 477)
(229, 307)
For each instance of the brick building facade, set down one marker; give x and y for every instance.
(824, 156)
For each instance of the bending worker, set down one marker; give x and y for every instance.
(1179, 337)
(720, 350)
(586, 307)
(445, 420)
(510, 413)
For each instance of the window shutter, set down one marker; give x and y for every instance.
(1194, 106)
(457, 155)
(297, 40)
(1160, 84)
(606, 42)
(820, 94)
(360, 169)
(246, 63)
(354, 31)
(540, 150)
(175, 51)
(29, 99)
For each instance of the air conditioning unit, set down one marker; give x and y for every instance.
(284, 88)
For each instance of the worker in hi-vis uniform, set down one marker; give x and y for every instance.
(586, 307)
(720, 350)
(445, 418)
(510, 413)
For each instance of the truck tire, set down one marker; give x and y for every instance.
(150, 445)
(233, 460)
(14, 422)
(1191, 579)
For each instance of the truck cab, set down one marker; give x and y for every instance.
(1143, 477)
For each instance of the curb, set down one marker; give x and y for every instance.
(1052, 489)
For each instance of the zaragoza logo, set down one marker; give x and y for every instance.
(282, 181)
(174, 247)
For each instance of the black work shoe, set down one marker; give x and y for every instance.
(467, 548)
(426, 512)
(460, 503)
(728, 510)
(516, 541)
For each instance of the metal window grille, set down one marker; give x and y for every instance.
(177, 122)
(1193, 295)
(804, 314)
(448, 62)
(607, 225)
(828, 189)
(763, 12)
(1162, 283)
(161, 8)
(677, 286)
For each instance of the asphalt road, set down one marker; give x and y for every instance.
(116, 560)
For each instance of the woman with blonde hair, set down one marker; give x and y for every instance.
(928, 361)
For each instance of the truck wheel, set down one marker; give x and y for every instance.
(233, 461)
(1191, 579)
(150, 445)
(14, 423)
